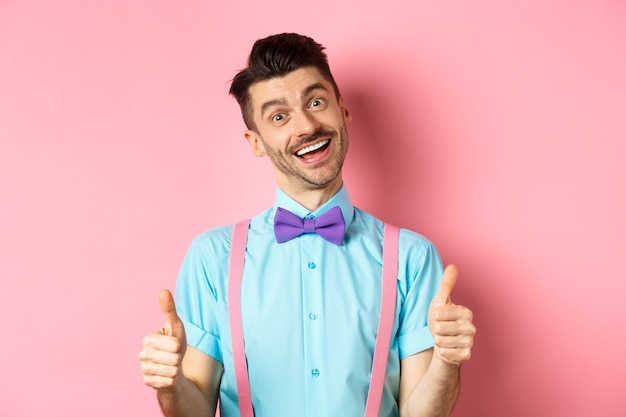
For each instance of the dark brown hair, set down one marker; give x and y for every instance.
(276, 56)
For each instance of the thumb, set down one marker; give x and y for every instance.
(169, 310)
(447, 284)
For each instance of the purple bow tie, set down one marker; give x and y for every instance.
(329, 225)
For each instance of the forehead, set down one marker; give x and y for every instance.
(288, 88)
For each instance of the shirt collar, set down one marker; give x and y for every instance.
(341, 199)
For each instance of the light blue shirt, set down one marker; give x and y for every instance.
(310, 312)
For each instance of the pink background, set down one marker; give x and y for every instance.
(497, 129)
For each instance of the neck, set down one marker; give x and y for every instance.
(314, 198)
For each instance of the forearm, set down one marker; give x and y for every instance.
(436, 393)
(185, 400)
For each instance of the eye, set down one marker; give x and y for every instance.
(318, 102)
(278, 117)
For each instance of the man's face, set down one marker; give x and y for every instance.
(301, 127)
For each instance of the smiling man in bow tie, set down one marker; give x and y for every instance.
(301, 311)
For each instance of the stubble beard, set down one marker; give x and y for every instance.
(314, 177)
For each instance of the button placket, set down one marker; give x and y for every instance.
(312, 293)
(312, 266)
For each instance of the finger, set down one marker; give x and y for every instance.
(453, 312)
(166, 300)
(151, 369)
(454, 356)
(454, 328)
(160, 357)
(158, 381)
(448, 281)
(159, 342)
(454, 342)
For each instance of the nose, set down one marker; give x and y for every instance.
(305, 123)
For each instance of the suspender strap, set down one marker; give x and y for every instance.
(235, 275)
(385, 323)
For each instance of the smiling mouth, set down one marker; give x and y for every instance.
(319, 146)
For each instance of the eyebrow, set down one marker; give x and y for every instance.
(272, 103)
(312, 87)
(282, 101)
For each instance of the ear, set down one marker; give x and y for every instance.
(347, 116)
(256, 144)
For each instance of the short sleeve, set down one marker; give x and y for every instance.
(419, 284)
(197, 300)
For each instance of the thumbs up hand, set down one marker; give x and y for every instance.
(173, 325)
(163, 350)
(450, 324)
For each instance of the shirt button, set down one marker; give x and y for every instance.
(313, 316)
(312, 265)
(315, 372)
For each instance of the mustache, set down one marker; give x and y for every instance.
(314, 137)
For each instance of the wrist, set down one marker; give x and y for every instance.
(174, 387)
(445, 365)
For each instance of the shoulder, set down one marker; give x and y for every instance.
(414, 240)
(213, 240)
(415, 250)
(218, 239)
(409, 239)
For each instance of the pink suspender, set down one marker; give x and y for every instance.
(385, 323)
(235, 275)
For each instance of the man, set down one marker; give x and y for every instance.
(310, 307)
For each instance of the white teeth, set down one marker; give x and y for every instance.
(311, 148)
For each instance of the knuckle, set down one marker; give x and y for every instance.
(178, 359)
(469, 329)
(143, 354)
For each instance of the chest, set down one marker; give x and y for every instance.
(307, 284)
(310, 344)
